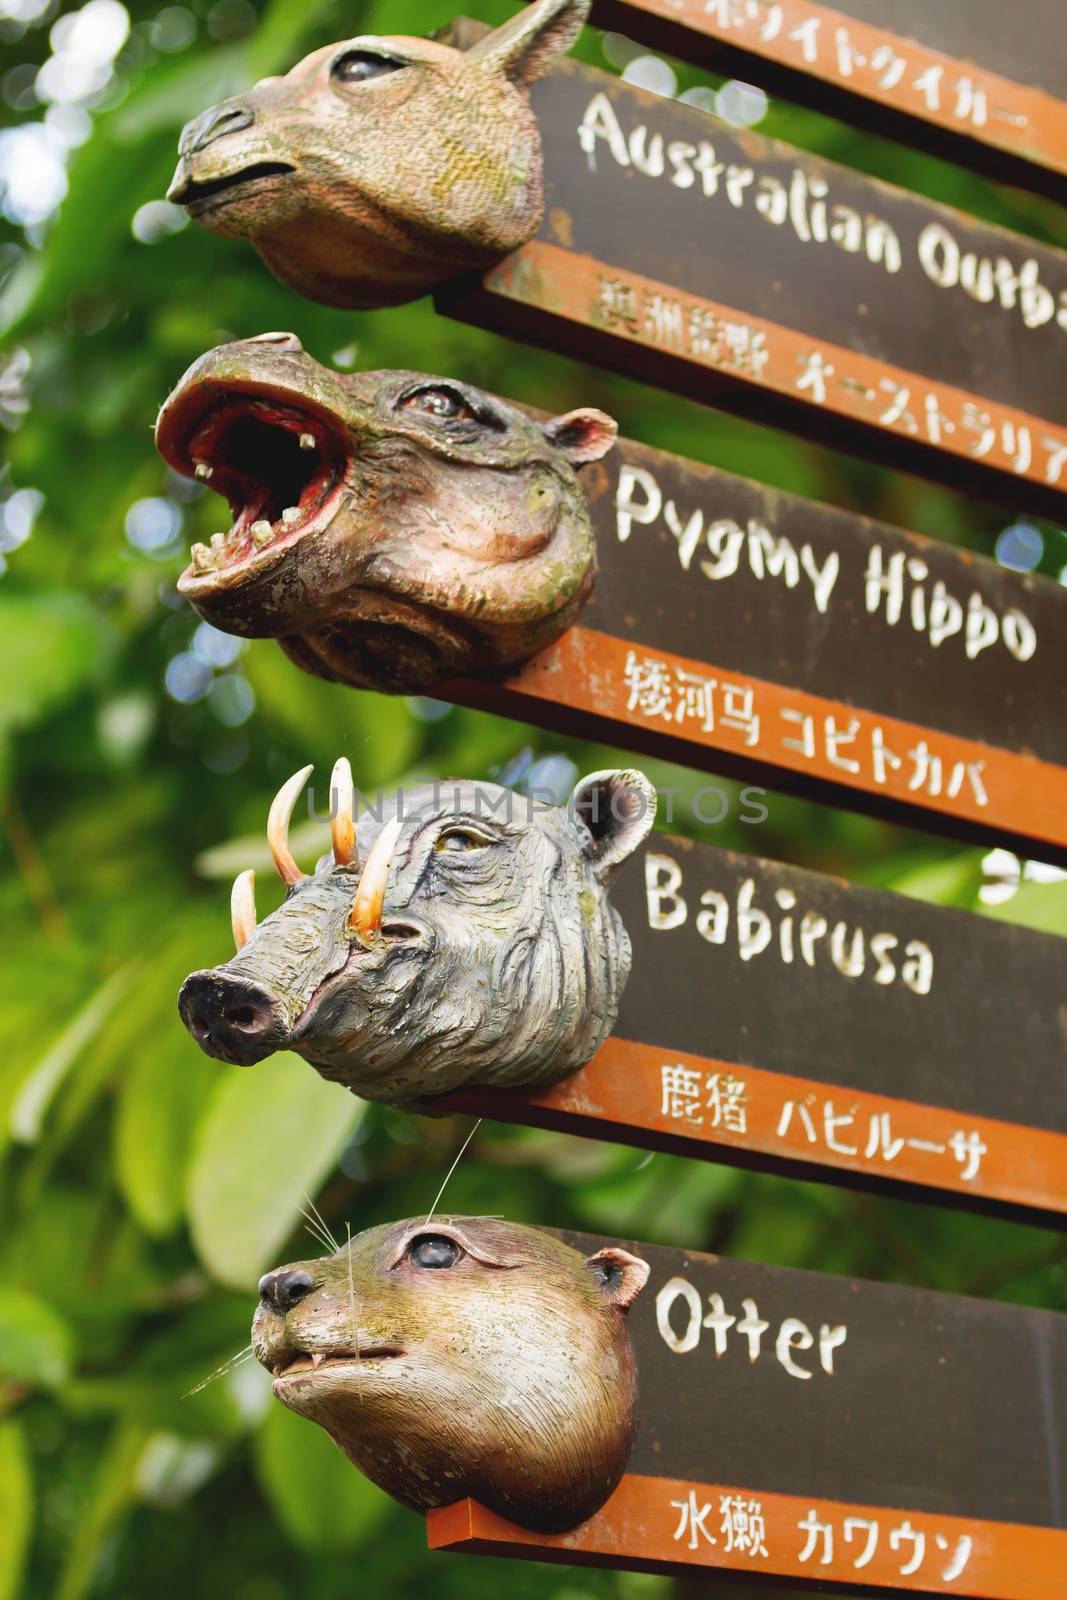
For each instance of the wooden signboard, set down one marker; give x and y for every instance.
(826, 1432)
(975, 80)
(737, 627)
(779, 1018)
(756, 277)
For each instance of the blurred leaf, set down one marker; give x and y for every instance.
(159, 1104)
(35, 1344)
(45, 1079)
(49, 646)
(112, 1493)
(16, 1498)
(322, 1500)
(269, 1136)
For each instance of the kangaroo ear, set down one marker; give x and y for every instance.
(620, 1275)
(524, 47)
(618, 810)
(583, 435)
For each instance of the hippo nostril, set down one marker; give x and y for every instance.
(281, 341)
(283, 1290)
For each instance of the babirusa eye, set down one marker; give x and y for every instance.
(455, 840)
(434, 1250)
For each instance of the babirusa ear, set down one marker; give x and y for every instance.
(618, 809)
(620, 1275)
(524, 47)
(583, 435)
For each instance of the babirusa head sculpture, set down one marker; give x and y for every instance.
(391, 529)
(378, 167)
(460, 935)
(459, 1356)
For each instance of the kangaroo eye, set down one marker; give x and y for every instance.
(455, 840)
(359, 66)
(439, 403)
(434, 1250)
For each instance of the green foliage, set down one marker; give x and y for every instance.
(145, 1186)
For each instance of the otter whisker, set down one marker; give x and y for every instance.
(321, 1220)
(452, 1168)
(220, 1372)
(318, 1234)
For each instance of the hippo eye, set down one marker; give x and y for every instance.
(440, 402)
(455, 840)
(359, 66)
(434, 1250)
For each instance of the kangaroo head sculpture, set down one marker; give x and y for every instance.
(381, 166)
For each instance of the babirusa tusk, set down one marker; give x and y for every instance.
(342, 824)
(278, 826)
(243, 907)
(365, 918)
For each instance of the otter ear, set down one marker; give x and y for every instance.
(618, 809)
(620, 1275)
(583, 435)
(524, 47)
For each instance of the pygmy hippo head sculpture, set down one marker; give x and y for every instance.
(379, 167)
(476, 946)
(390, 529)
(463, 1356)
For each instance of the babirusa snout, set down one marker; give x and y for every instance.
(232, 1018)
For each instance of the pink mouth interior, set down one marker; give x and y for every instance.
(280, 469)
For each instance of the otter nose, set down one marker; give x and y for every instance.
(214, 123)
(278, 341)
(283, 1290)
(231, 1017)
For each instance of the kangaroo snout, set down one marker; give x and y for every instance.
(229, 117)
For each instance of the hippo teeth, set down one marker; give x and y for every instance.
(276, 465)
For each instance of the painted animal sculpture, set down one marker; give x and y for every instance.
(390, 529)
(379, 167)
(477, 945)
(463, 1356)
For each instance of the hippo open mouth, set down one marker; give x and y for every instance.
(201, 197)
(281, 468)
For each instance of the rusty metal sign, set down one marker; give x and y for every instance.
(735, 626)
(783, 1019)
(968, 78)
(826, 1431)
(753, 276)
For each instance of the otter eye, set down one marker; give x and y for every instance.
(359, 66)
(455, 840)
(440, 402)
(433, 1250)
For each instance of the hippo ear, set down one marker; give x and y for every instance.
(524, 47)
(583, 435)
(618, 808)
(620, 1275)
